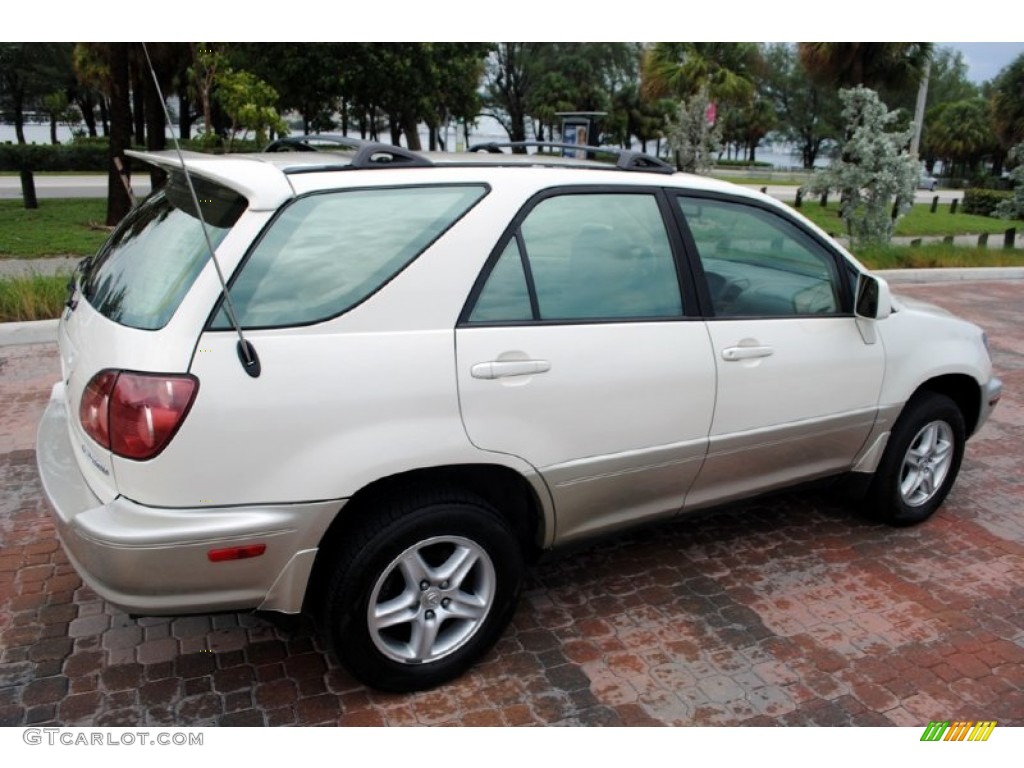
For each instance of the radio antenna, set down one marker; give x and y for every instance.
(246, 351)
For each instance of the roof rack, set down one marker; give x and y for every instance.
(625, 159)
(369, 154)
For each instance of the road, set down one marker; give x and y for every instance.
(790, 610)
(96, 186)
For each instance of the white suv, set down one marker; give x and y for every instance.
(453, 362)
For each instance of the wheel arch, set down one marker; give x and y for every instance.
(962, 390)
(522, 503)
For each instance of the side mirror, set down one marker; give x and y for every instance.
(873, 298)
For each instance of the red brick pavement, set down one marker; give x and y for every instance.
(788, 611)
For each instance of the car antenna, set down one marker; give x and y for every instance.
(246, 351)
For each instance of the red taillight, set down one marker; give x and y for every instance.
(135, 414)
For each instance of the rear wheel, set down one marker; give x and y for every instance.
(422, 590)
(921, 461)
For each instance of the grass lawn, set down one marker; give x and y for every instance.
(918, 222)
(55, 228)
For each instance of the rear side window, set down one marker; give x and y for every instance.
(325, 253)
(140, 275)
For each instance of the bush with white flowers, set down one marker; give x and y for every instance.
(692, 138)
(1014, 207)
(874, 169)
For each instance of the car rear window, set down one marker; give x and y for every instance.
(140, 275)
(327, 252)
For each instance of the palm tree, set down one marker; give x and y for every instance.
(680, 70)
(874, 65)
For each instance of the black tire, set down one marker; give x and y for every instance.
(468, 611)
(921, 461)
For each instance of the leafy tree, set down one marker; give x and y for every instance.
(249, 102)
(808, 113)
(308, 78)
(1008, 103)
(508, 86)
(875, 167)
(960, 134)
(692, 139)
(726, 71)
(875, 65)
(29, 72)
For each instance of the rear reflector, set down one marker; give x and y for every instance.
(236, 553)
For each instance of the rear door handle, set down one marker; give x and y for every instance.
(746, 353)
(499, 369)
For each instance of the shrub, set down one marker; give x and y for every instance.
(89, 154)
(983, 202)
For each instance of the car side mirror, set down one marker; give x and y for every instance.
(873, 298)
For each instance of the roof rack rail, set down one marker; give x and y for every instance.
(625, 159)
(307, 142)
(377, 155)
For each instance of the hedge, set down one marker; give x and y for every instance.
(982, 202)
(84, 155)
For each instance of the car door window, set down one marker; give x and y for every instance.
(757, 264)
(584, 257)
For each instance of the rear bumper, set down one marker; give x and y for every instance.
(152, 560)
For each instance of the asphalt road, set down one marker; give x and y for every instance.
(96, 186)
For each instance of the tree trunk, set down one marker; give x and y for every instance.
(53, 128)
(118, 202)
(138, 87)
(184, 117)
(19, 119)
(104, 116)
(412, 135)
(156, 131)
(87, 106)
(432, 137)
(396, 133)
(344, 117)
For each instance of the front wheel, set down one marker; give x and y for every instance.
(921, 461)
(422, 591)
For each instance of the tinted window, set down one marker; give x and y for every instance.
(757, 264)
(326, 253)
(591, 257)
(140, 275)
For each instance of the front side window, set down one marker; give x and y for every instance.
(757, 264)
(325, 253)
(584, 257)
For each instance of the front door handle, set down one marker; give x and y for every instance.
(746, 353)
(499, 369)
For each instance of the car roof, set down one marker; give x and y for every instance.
(268, 179)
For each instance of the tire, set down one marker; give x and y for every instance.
(920, 463)
(423, 589)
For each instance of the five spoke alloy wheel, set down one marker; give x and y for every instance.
(422, 586)
(921, 461)
(431, 599)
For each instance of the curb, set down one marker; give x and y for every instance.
(45, 331)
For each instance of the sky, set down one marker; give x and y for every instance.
(985, 60)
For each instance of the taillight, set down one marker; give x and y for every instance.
(135, 415)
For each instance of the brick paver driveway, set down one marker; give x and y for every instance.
(788, 611)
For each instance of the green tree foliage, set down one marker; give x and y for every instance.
(308, 78)
(29, 73)
(959, 134)
(1008, 103)
(875, 168)
(249, 102)
(807, 113)
(726, 71)
(874, 65)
